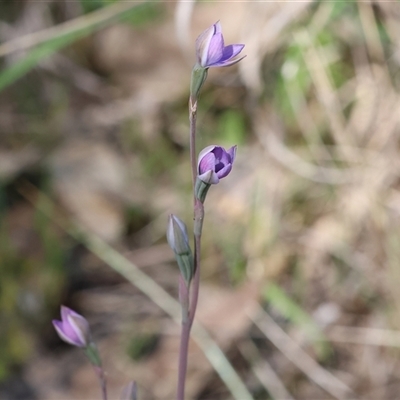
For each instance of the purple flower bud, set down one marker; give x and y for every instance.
(215, 163)
(73, 328)
(211, 50)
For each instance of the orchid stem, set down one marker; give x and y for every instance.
(183, 359)
(102, 379)
(198, 223)
(192, 122)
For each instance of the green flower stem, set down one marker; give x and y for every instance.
(93, 354)
(94, 357)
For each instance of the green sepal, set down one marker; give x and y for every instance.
(199, 75)
(93, 354)
(186, 266)
(201, 189)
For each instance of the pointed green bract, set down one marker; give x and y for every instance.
(93, 354)
(199, 76)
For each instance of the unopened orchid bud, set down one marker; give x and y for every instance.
(214, 164)
(73, 328)
(177, 235)
(178, 240)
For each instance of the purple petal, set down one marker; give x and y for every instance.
(81, 328)
(68, 330)
(207, 163)
(231, 51)
(65, 312)
(223, 157)
(215, 50)
(218, 152)
(203, 44)
(232, 153)
(206, 150)
(224, 171)
(217, 27)
(227, 63)
(73, 328)
(66, 334)
(211, 51)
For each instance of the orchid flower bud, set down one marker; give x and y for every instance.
(73, 328)
(211, 50)
(214, 164)
(178, 240)
(177, 235)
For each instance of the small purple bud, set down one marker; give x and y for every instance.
(215, 163)
(73, 328)
(211, 50)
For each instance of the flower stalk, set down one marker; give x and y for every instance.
(214, 164)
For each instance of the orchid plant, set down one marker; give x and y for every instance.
(213, 164)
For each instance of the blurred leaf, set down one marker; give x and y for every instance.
(148, 12)
(144, 13)
(93, 5)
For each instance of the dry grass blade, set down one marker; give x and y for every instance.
(264, 372)
(316, 64)
(258, 43)
(299, 357)
(296, 164)
(151, 289)
(371, 33)
(183, 14)
(364, 336)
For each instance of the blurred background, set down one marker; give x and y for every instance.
(300, 275)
